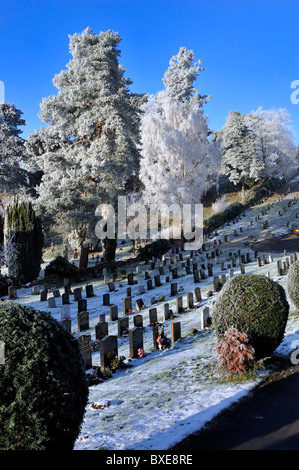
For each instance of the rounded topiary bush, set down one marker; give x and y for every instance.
(61, 267)
(255, 305)
(293, 283)
(43, 386)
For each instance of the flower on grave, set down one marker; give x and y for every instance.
(94, 345)
(193, 331)
(163, 342)
(140, 352)
(161, 298)
(129, 311)
(209, 293)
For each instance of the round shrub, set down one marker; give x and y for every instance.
(293, 283)
(61, 267)
(43, 386)
(255, 305)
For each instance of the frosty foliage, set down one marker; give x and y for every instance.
(88, 151)
(178, 161)
(12, 150)
(181, 74)
(275, 150)
(219, 205)
(235, 354)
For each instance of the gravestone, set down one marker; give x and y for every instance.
(157, 280)
(111, 286)
(108, 351)
(102, 317)
(140, 290)
(179, 304)
(174, 273)
(106, 300)
(135, 341)
(65, 312)
(101, 330)
(279, 268)
(77, 294)
(89, 291)
(84, 342)
(113, 312)
(43, 295)
(197, 293)
(51, 302)
(205, 313)
(83, 321)
(202, 274)
(242, 268)
(56, 293)
(146, 275)
(153, 316)
(230, 274)
(216, 284)
(35, 290)
(210, 269)
(175, 331)
(127, 305)
(196, 276)
(149, 284)
(131, 281)
(123, 326)
(139, 305)
(173, 289)
(65, 298)
(82, 305)
(158, 330)
(138, 320)
(67, 323)
(166, 313)
(190, 301)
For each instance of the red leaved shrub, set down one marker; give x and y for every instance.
(236, 355)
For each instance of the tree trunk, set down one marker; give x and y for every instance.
(243, 189)
(109, 249)
(83, 260)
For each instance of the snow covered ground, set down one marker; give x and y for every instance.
(166, 395)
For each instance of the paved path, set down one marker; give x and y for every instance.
(266, 419)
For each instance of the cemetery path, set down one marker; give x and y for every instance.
(290, 243)
(266, 419)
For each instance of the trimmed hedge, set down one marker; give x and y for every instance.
(43, 386)
(293, 283)
(61, 266)
(255, 305)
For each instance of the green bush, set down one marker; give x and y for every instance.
(23, 241)
(216, 220)
(255, 305)
(61, 267)
(293, 283)
(155, 249)
(43, 386)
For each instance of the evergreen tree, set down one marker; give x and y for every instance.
(89, 151)
(23, 241)
(238, 150)
(12, 150)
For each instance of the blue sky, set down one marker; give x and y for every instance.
(249, 49)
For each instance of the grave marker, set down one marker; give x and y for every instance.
(108, 351)
(135, 341)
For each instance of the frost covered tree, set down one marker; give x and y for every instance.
(238, 150)
(12, 150)
(88, 152)
(274, 144)
(180, 76)
(178, 161)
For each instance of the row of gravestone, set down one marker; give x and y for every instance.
(108, 344)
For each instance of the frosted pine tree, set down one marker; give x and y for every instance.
(238, 150)
(89, 150)
(274, 143)
(178, 160)
(13, 178)
(180, 76)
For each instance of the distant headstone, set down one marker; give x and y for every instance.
(65, 311)
(149, 283)
(111, 286)
(114, 312)
(108, 351)
(83, 321)
(135, 341)
(65, 298)
(123, 326)
(51, 302)
(139, 304)
(173, 289)
(67, 323)
(89, 291)
(166, 313)
(43, 295)
(82, 305)
(205, 313)
(127, 305)
(101, 330)
(175, 331)
(84, 342)
(179, 304)
(138, 320)
(190, 300)
(153, 316)
(197, 293)
(77, 294)
(106, 300)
